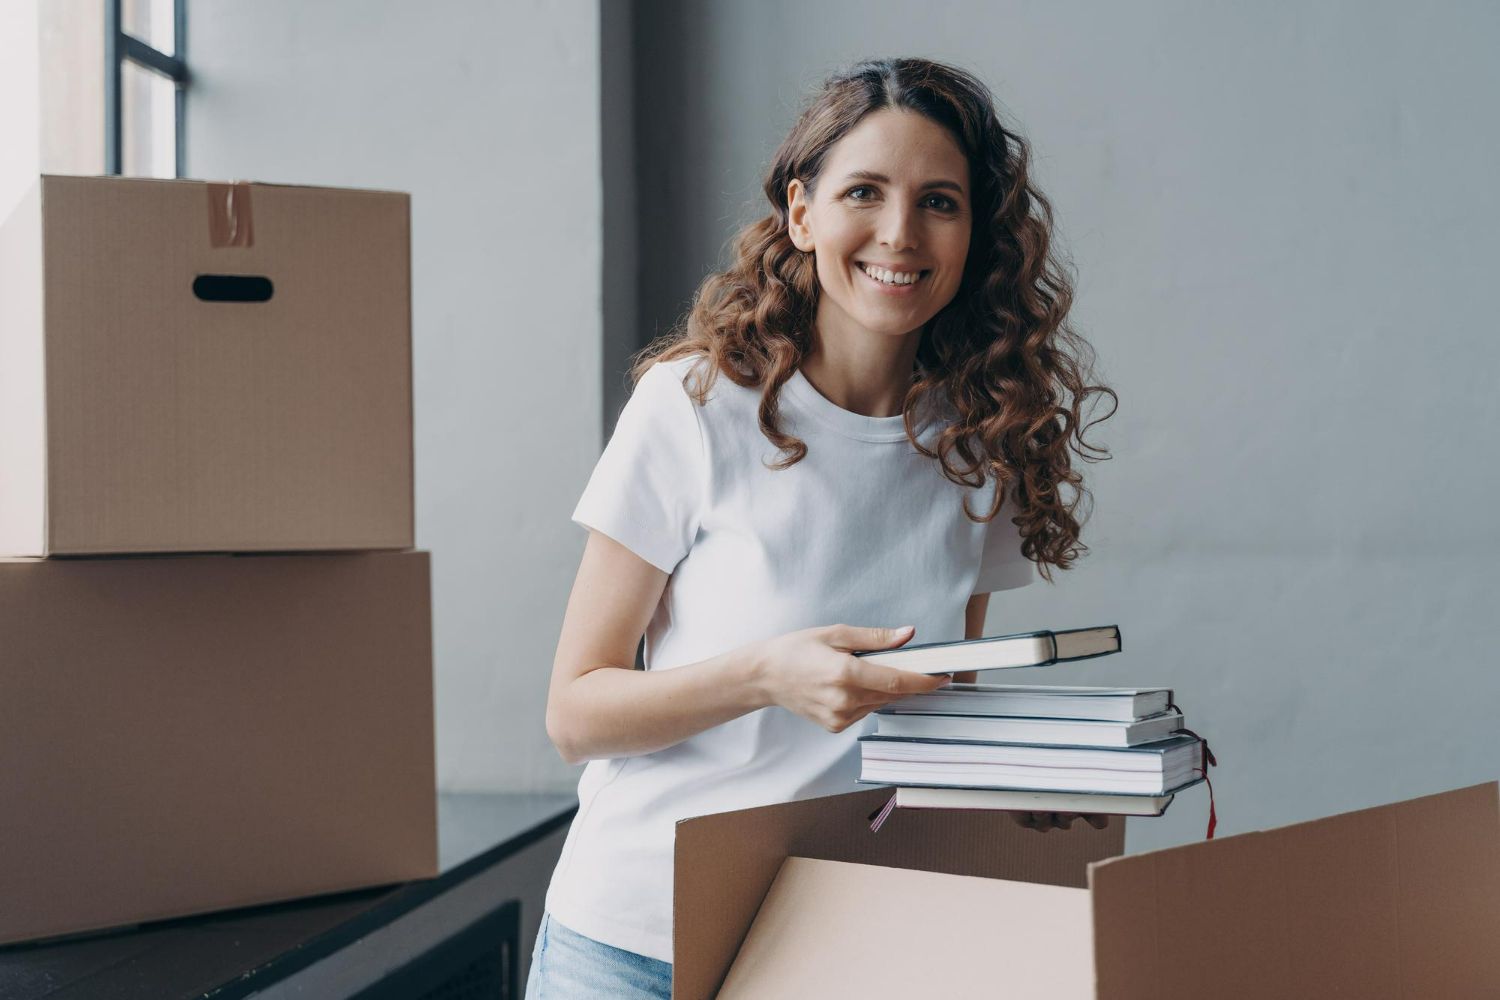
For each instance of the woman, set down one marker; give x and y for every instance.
(869, 418)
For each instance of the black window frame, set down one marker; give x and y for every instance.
(120, 45)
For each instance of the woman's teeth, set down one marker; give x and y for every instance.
(891, 277)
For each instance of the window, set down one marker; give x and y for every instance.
(144, 83)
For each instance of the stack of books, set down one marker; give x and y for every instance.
(1095, 750)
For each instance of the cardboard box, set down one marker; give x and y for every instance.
(1396, 901)
(153, 399)
(181, 734)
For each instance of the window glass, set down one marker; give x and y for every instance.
(151, 22)
(148, 103)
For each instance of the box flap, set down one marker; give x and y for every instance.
(725, 863)
(935, 935)
(1397, 901)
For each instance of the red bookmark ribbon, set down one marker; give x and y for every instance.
(1209, 760)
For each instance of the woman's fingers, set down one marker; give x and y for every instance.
(1044, 821)
(893, 684)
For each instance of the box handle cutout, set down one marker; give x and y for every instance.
(232, 288)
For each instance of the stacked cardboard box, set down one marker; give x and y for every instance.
(215, 636)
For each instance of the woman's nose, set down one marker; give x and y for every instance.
(898, 228)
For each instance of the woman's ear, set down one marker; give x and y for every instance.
(796, 216)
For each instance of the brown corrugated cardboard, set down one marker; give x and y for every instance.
(1396, 901)
(725, 863)
(190, 733)
(138, 416)
(956, 935)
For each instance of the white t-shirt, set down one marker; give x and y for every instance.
(863, 531)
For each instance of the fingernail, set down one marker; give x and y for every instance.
(905, 629)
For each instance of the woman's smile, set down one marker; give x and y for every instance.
(889, 281)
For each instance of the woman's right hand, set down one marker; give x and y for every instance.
(814, 673)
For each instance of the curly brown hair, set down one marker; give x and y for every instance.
(1001, 352)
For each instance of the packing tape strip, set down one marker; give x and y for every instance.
(230, 221)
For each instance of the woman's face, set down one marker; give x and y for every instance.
(893, 196)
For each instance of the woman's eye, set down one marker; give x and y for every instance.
(943, 202)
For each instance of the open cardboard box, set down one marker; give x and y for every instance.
(802, 900)
(197, 367)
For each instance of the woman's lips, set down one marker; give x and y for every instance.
(893, 289)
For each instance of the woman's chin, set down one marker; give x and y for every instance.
(885, 324)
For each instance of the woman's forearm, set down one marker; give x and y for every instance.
(614, 711)
(619, 712)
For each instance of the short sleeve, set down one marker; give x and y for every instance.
(1001, 564)
(647, 487)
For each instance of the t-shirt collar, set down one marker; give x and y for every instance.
(845, 422)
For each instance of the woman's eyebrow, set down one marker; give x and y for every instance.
(870, 175)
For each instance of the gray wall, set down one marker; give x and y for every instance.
(489, 115)
(1282, 220)
(621, 239)
(20, 103)
(51, 92)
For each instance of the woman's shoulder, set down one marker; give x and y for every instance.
(678, 368)
(697, 376)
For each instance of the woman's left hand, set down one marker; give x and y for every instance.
(1044, 821)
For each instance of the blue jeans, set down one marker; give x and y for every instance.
(565, 965)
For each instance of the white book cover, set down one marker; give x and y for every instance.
(1044, 731)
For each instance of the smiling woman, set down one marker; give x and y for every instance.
(907, 256)
(890, 443)
(889, 231)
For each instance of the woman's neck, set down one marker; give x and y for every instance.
(871, 378)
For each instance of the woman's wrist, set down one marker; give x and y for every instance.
(746, 672)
